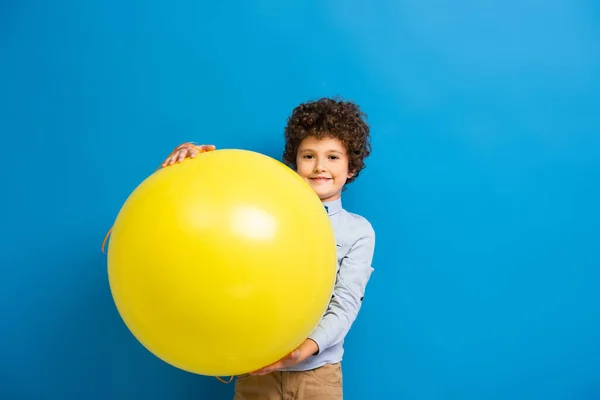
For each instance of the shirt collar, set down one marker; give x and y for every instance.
(333, 207)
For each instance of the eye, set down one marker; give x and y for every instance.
(307, 156)
(333, 157)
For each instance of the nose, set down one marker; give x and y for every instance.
(320, 165)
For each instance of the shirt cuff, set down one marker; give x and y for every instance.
(319, 337)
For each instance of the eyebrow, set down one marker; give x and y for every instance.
(328, 151)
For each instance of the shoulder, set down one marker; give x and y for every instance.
(358, 226)
(356, 240)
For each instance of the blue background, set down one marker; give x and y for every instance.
(483, 187)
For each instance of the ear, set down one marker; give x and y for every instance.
(351, 174)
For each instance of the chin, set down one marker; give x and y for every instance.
(327, 196)
(322, 192)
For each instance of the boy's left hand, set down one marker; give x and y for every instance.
(305, 350)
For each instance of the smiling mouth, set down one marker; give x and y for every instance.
(320, 179)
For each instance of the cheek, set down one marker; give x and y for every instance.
(341, 173)
(302, 169)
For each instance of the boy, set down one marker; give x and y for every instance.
(326, 142)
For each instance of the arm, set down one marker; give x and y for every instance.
(355, 271)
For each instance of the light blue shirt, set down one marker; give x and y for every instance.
(355, 241)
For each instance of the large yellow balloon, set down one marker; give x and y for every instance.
(222, 264)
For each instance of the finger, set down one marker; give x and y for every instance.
(267, 372)
(268, 369)
(207, 147)
(203, 148)
(258, 372)
(181, 155)
(263, 371)
(172, 159)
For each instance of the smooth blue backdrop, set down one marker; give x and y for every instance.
(483, 187)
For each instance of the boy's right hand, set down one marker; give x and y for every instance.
(186, 150)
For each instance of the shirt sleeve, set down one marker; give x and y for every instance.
(354, 273)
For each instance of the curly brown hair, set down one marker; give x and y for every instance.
(327, 117)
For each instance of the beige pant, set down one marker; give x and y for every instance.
(323, 383)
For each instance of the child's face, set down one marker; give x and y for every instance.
(323, 163)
